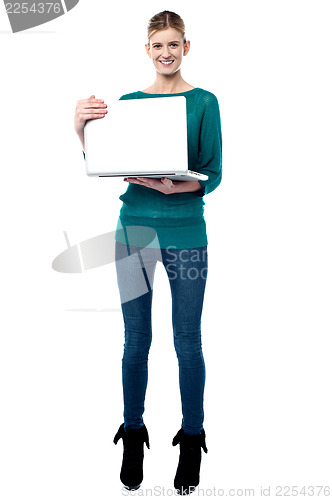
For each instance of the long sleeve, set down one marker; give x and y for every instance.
(210, 146)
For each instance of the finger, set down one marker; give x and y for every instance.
(92, 105)
(86, 113)
(83, 110)
(92, 117)
(149, 182)
(137, 181)
(83, 101)
(89, 112)
(93, 112)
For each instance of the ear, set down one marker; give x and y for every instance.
(147, 48)
(186, 48)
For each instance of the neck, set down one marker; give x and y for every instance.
(171, 84)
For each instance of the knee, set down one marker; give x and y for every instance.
(136, 346)
(188, 348)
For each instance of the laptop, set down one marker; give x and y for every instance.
(140, 138)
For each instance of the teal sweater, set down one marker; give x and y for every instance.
(177, 219)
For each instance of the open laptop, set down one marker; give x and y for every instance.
(140, 138)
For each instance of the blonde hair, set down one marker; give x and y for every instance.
(166, 19)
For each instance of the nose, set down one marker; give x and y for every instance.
(166, 53)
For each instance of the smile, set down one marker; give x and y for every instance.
(166, 63)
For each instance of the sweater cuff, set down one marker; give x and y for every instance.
(200, 192)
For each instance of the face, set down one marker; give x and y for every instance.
(166, 49)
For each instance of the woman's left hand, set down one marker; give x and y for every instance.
(164, 185)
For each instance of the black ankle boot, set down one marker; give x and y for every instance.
(131, 473)
(187, 474)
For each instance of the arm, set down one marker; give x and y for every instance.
(186, 186)
(210, 151)
(80, 134)
(209, 160)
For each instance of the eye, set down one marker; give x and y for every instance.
(174, 44)
(156, 46)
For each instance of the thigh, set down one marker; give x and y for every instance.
(187, 273)
(135, 268)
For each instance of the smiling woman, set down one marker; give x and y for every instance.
(174, 210)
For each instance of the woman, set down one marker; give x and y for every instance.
(173, 212)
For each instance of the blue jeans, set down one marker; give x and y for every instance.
(187, 272)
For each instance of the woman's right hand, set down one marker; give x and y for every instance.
(88, 109)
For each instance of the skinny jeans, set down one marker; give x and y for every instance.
(187, 273)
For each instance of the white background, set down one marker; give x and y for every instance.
(266, 322)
